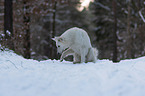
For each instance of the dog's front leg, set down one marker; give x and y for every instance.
(83, 57)
(66, 53)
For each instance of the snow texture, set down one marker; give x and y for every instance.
(23, 77)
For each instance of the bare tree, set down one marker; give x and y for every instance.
(53, 27)
(8, 22)
(26, 29)
(129, 38)
(8, 17)
(114, 32)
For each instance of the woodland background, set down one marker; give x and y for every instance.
(116, 27)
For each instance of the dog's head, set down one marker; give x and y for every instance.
(60, 44)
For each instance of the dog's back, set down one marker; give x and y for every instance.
(77, 36)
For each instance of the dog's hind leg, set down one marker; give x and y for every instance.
(77, 58)
(83, 55)
(66, 53)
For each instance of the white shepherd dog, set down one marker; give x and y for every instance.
(76, 42)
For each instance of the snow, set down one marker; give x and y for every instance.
(8, 32)
(27, 77)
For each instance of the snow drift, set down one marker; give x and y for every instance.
(23, 77)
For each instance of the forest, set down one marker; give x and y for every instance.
(116, 27)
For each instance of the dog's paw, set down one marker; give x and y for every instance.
(76, 62)
(61, 60)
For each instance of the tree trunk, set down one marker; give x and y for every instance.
(8, 22)
(129, 39)
(53, 29)
(8, 17)
(26, 29)
(114, 32)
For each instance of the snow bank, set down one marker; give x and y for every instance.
(22, 77)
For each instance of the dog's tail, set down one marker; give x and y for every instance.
(95, 52)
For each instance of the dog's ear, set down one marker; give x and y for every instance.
(53, 39)
(60, 39)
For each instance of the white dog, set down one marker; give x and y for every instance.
(76, 42)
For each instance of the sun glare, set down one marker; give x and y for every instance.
(84, 4)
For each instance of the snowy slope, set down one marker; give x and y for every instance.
(22, 77)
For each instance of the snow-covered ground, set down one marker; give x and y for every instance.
(22, 77)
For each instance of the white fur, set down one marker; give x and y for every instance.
(79, 45)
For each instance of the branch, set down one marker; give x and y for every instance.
(141, 15)
(103, 6)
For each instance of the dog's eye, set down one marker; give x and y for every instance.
(58, 46)
(60, 39)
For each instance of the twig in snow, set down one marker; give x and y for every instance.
(13, 64)
(22, 64)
